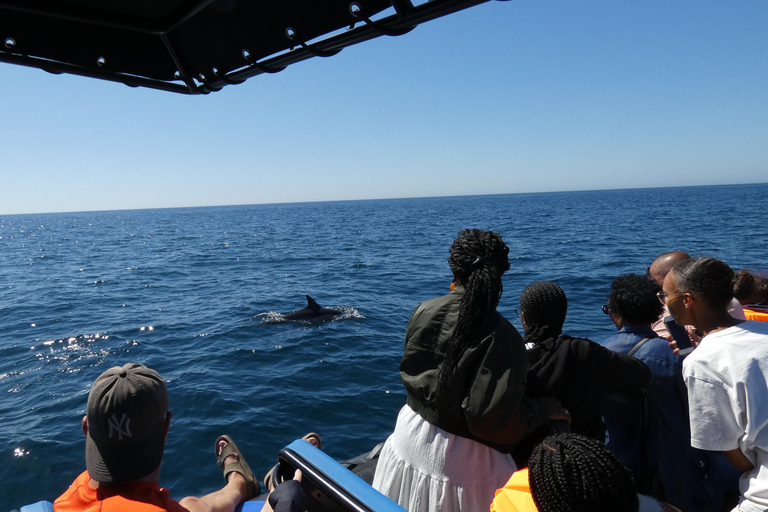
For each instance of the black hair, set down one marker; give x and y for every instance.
(750, 288)
(573, 473)
(633, 297)
(545, 306)
(705, 278)
(478, 260)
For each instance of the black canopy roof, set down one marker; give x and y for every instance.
(196, 46)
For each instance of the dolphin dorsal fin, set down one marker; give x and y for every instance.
(311, 304)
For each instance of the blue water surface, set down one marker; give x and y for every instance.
(193, 292)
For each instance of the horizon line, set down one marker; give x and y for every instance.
(382, 199)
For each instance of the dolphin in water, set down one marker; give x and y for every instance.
(313, 311)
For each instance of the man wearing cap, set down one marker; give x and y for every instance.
(126, 424)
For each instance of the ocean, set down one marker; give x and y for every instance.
(195, 292)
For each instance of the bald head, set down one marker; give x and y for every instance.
(664, 263)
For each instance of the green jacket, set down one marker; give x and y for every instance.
(485, 398)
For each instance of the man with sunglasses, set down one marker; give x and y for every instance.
(676, 473)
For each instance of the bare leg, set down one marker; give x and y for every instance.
(223, 500)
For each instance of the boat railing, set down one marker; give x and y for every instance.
(329, 486)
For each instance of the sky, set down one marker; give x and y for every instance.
(504, 97)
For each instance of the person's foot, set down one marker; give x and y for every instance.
(234, 477)
(314, 439)
(235, 468)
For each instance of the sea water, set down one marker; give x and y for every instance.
(195, 292)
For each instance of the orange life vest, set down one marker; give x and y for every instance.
(515, 496)
(122, 497)
(756, 314)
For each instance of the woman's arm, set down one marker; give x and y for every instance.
(615, 371)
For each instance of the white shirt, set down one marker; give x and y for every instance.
(727, 380)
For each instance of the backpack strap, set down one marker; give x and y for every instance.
(637, 347)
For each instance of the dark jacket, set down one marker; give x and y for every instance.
(484, 400)
(575, 371)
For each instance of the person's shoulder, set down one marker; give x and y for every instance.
(711, 360)
(80, 485)
(612, 340)
(580, 344)
(429, 303)
(754, 326)
(503, 324)
(433, 306)
(620, 342)
(657, 348)
(728, 342)
(577, 348)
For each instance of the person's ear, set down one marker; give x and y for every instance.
(85, 425)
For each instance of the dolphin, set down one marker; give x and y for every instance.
(313, 311)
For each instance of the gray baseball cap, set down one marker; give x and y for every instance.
(127, 407)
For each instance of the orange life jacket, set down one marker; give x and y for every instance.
(515, 496)
(122, 497)
(756, 314)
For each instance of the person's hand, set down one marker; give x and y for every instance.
(288, 496)
(676, 350)
(555, 411)
(672, 345)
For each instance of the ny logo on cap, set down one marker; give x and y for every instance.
(117, 426)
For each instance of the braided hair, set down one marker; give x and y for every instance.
(545, 305)
(478, 260)
(573, 473)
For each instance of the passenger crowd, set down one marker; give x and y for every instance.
(503, 422)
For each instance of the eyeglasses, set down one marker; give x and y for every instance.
(517, 312)
(606, 309)
(663, 296)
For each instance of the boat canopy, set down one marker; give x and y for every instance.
(196, 46)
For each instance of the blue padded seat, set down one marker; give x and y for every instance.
(330, 487)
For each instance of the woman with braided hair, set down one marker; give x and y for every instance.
(574, 370)
(573, 473)
(464, 368)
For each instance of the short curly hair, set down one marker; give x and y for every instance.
(633, 297)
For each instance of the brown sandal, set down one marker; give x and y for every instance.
(239, 466)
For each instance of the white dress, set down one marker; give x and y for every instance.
(425, 469)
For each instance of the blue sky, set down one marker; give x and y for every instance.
(505, 97)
